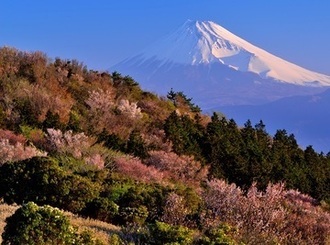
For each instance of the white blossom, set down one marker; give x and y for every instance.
(129, 109)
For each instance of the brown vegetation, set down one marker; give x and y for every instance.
(95, 144)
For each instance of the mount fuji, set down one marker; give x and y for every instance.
(217, 68)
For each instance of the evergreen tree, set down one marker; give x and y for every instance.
(287, 161)
(317, 170)
(136, 145)
(222, 148)
(185, 135)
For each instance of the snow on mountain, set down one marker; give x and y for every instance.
(205, 42)
(215, 66)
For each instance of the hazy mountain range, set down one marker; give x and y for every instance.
(221, 71)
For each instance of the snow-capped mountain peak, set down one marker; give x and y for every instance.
(216, 67)
(204, 42)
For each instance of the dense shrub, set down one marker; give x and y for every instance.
(162, 233)
(102, 208)
(136, 145)
(138, 202)
(223, 234)
(31, 224)
(42, 180)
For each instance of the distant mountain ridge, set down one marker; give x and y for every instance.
(307, 117)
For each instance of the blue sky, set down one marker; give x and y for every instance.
(101, 33)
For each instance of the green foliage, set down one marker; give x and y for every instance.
(116, 240)
(192, 200)
(134, 215)
(126, 86)
(255, 152)
(249, 154)
(185, 134)
(87, 238)
(31, 133)
(222, 148)
(136, 145)
(111, 141)
(218, 236)
(2, 116)
(179, 99)
(52, 121)
(162, 233)
(31, 224)
(137, 202)
(26, 113)
(74, 122)
(317, 170)
(42, 180)
(102, 208)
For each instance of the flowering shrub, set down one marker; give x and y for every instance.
(273, 216)
(12, 137)
(67, 142)
(95, 160)
(156, 139)
(175, 210)
(17, 152)
(180, 167)
(78, 145)
(105, 114)
(100, 101)
(101, 105)
(134, 168)
(306, 221)
(129, 109)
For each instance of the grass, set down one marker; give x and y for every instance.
(100, 230)
(5, 211)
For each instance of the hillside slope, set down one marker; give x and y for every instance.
(96, 145)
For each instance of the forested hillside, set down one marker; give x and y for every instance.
(96, 145)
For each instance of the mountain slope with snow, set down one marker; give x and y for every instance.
(206, 42)
(214, 66)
